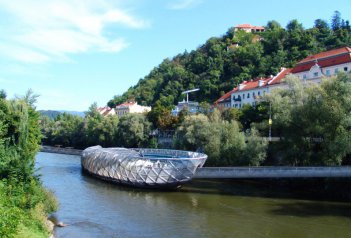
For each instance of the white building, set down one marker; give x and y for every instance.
(130, 107)
(310, 69)
(249, 28)
(106, 111)
(249, 92)
(324, 64)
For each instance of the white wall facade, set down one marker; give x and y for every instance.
(316, 73)
(132, 108)
(248, 96)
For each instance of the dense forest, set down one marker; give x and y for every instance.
(222, 62)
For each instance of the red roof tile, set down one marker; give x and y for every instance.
(248, 85)
(250, 26)
(252, 84)
(278, 78)
(126, 104)
(224, 97)
(324, 59)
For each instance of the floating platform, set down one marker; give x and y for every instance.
(142, 167)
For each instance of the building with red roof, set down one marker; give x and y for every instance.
(324, 64)
(249, 28)
(249, 92)
(106, 111)
(310, 69)
(130, 107)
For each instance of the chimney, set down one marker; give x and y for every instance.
(241, 86)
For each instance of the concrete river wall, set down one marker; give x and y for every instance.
(273, 172)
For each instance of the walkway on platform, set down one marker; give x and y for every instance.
(272, 172)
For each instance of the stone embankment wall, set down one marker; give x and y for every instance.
(273, 172)
(60, 150)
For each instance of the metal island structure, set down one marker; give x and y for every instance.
(142, 167)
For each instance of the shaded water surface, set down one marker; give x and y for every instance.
(93, 208)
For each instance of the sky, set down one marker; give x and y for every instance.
(73, 53)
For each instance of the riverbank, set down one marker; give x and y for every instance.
(60, 150)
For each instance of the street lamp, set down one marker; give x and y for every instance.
(270, 122)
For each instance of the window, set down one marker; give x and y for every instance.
(253, 94)
(259, 93)
(233, 97)
(248, 95)
(336, 70)
(236, 105)
(243, 96)
(345, 69)
(327, 72)
(315, 74)
(304, 76)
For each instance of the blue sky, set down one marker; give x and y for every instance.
(76, 52)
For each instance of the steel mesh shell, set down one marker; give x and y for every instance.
(142, 167)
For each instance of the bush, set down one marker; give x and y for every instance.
(223, 141)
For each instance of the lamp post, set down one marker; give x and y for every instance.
(270, 122)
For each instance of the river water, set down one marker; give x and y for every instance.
(94, 208)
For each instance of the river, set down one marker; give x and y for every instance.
(93, 208)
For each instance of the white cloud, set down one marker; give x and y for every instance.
(44, 30)
(23, 54)
(184, 4)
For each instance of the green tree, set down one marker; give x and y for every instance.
(223, 141)
(133, 130)
(314, 121)
(3, 94)
(22, 199)
(100, 130)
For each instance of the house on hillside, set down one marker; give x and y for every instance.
(106, 111)
(130, 107)
(249, 28)
(251, 91)
(324, 64)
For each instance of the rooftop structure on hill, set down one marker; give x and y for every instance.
(249, 28)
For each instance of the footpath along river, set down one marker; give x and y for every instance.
(203, 208)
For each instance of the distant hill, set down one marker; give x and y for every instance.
(223, 62)
(53, 114)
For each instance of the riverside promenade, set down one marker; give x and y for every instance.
(273, 172)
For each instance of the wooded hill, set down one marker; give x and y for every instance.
(223, 62)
